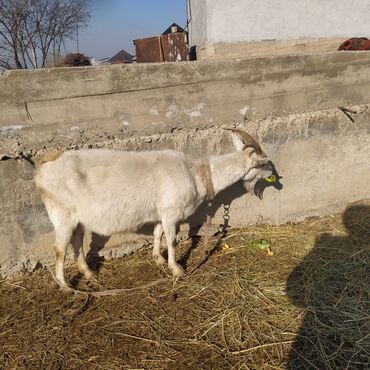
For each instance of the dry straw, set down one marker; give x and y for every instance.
(308, 306)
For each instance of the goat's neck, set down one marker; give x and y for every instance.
(226, 170)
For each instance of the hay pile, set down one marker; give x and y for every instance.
(307, 306)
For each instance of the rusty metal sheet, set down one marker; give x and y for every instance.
(166, 48)
(174, 47)
(148, 50)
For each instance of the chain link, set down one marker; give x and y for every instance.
(226, 215)
(222, 229)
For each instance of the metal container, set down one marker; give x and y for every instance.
(165, 48)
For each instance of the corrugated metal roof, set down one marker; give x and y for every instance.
(122, 57)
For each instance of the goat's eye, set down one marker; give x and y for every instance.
(259, 165)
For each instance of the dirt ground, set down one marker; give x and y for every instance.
(306, 306)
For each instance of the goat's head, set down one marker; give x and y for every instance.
(257, 164)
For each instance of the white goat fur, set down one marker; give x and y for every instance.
(108, 191)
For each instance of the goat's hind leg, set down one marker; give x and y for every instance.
(63, 236)
(77, 245)
(158, 233)
(64, 224)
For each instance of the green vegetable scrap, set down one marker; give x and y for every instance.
(261, 245)
(271, 178)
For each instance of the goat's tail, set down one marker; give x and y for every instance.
(49, 157)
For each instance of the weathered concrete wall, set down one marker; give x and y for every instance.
(250, 20)
(266, 48)
(288, 103)
(197, 16)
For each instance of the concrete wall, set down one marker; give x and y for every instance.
(319, 24)
(250, 20)
(197, 17)
(265, 48)
(288, 103)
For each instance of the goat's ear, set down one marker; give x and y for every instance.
(238, 142)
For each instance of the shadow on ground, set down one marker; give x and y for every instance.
(332, 285)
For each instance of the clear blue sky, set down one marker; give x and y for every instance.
(115, 23)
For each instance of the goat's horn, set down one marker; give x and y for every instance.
(248, 140)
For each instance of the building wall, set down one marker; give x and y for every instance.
(251, 20)
(197, 18)
(289, 104)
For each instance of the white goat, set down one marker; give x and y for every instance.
(108, 191)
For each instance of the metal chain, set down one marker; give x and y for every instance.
(226, 212)
(221, 233)
(222, 229)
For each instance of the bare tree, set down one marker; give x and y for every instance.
(33, 30)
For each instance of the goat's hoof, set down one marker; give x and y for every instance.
(91, 276)
(65, 285)
(178, 271)
(159, 260)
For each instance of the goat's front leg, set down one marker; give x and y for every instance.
(158, 233)
(170, 233)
